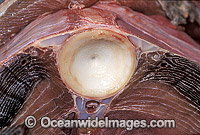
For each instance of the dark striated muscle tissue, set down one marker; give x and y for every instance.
(17, 79)
(179, 72)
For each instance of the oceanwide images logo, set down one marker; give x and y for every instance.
(46, 122)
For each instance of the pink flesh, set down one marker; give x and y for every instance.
(101, 15)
